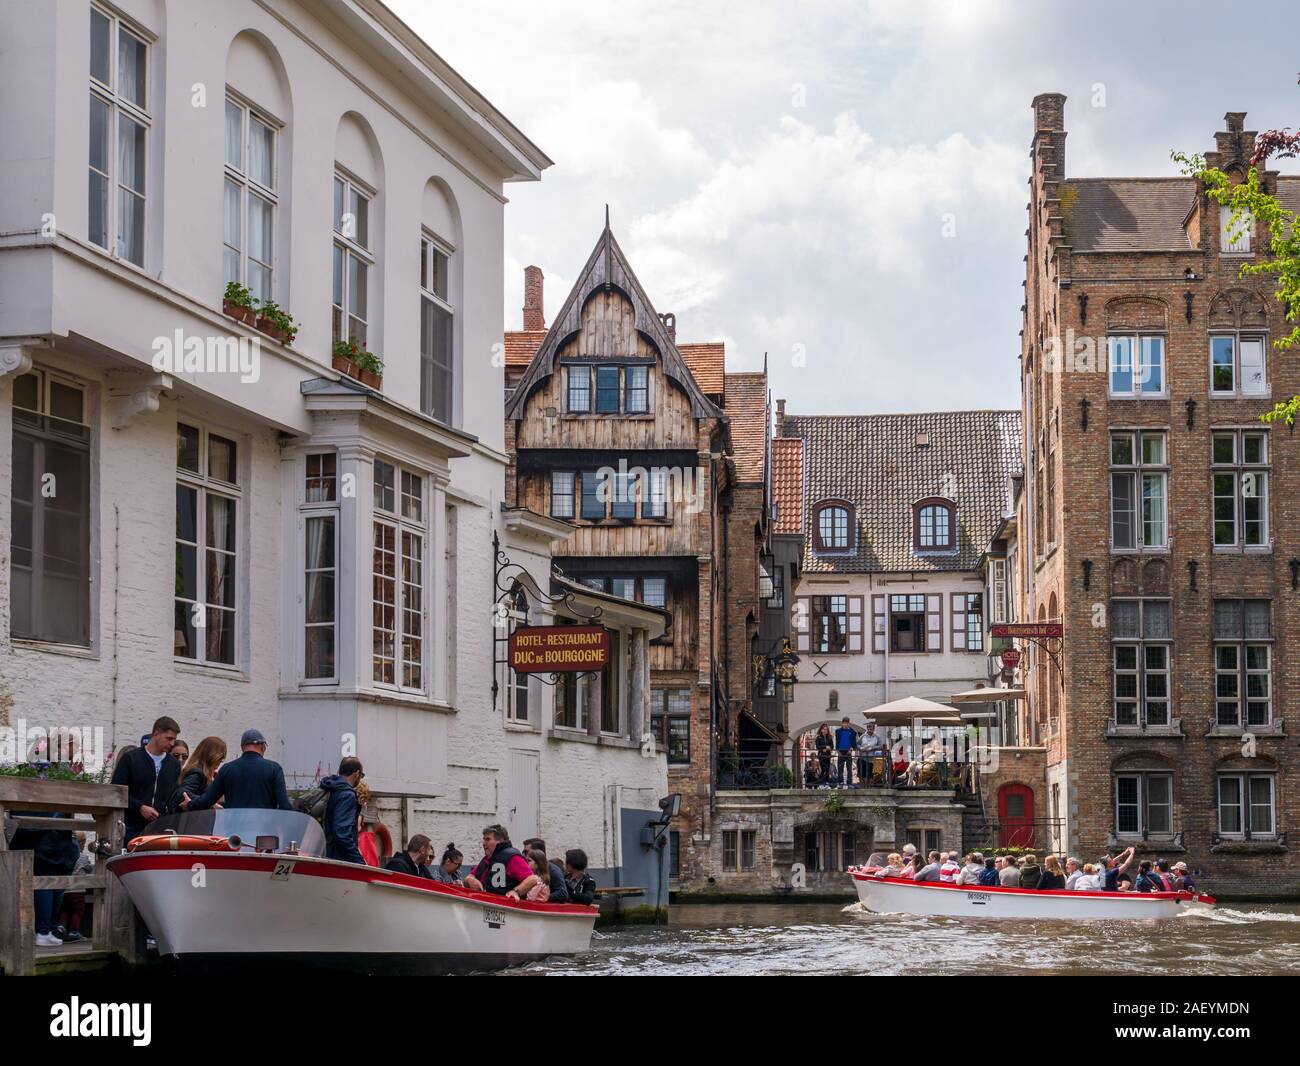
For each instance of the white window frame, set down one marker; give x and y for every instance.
(1137, 472)
(432, 246)
(1141, 670)
(1138, 367)
(1250, 481)
(205, 487)
(250, 188)
(120, 107)
(1143, 804)
(1241, 671)
(349, 248)
(518, 681)
(309, 510)
(1245, 231)
(1238, 338)
(1244, 805)
(403, 526)
(572, 495)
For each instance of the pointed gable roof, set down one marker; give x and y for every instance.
(607, 268)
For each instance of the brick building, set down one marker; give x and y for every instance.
(1157, 522)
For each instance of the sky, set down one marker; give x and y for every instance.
(841, 187)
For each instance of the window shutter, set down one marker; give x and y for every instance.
(934, 622)
(855, 625)
(802, 625)
(958, 602)
(878, 627)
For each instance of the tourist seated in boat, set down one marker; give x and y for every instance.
(448, 869)
(1088, 879)
(503, 870)
(1147, 879)
(1073, 871)
(1182, 878)
(581, 887)
(971, 870)
(930, 871)
(1113, 868)
(893, 866)
(1009, 875)
(342, 812)
(1166, 875)
(1030, 871)
(559, 890)
(541, 890)
(989, 875)
(251, 781)
(1052, 877)
(949, 868)
(414, 861)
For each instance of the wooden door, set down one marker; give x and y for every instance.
(1016, 815)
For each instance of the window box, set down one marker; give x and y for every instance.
(276, 323)
(237, 303)
(356, 362)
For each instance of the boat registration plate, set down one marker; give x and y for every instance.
(283, 868)
(494, 916)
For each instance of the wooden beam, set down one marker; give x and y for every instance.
(74, 825)
(17, 914)
(70, 882)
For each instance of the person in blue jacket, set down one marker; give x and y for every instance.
(989, 875)
(342, 812)
(846, 744)
(252, 780)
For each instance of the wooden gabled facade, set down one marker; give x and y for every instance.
(610, 428)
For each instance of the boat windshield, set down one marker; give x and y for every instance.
(261, 829)
(878, 858)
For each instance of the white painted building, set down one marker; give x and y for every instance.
(275, 545)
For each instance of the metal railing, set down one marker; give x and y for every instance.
(1037, 833)
(738, 771)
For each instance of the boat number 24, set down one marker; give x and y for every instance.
(283, 868)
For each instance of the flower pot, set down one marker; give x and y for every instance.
(344, 365)
(239, 313)
(272, 330)
(372, 380)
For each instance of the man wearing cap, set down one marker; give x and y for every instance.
(871, 746)
(1182, 878)
(252, 780)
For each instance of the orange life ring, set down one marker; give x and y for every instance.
(174, 842)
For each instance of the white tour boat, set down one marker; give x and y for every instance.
(241, 886)
(899, 895)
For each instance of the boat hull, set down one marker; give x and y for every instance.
(209, 909)
(888, 895)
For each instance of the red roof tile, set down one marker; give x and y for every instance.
(787, 484)
(746, 407)
(706, 362)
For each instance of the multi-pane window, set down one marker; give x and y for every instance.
(352, 261)
(320, 567)
(828, 850)
(738, 849)
(249, 199)
(436, 319)
(49, 549)
(1141, 643)
(517, 686)
(907, 623)
(1235, 237)
(119, 125)
(207, 534)
(1237, 365)
(580, 698)
(562, 482)
(1137, 365)
(654, 501)
(623, 495)
(968, 621)
(934, 527)
(1240, 487)
(1247, 805)
(607, 389)
(832, 528)
(593, 495)
(1243, 654)
(830, 624)
(670, 722)
(777, 600)
(636, 390)
(652, 591)
(1144, 804)
(579, 389)
(398, 577)
(1138, 489)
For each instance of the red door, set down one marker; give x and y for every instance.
(1016, 815)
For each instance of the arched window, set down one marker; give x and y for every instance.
(934, 527)
(833, 527)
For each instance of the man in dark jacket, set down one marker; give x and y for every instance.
(252, 780)
(559, 887)
(342, 812)
(582, 889)
(149, 774)
(414, 861)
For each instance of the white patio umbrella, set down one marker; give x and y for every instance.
(913, 710)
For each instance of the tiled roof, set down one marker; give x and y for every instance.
(1288, 191)
(875, 463)
(787, 484)
(705, 362)
(746, 407)
(1127, 214)
(521, 346)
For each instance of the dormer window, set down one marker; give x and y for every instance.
(832, 527)
(608, 389)
(934, 526)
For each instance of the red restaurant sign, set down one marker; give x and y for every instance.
(1028, 629)
(1010, 658)
(558, 649)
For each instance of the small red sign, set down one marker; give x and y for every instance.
(1028, 629)
(1010, 658)
(558, 649)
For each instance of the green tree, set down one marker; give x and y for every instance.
(1250, 204)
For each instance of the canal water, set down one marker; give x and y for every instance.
(740, 939)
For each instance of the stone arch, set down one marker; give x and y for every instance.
(1155, 577)
(1222, 314)
(356, 150)
(1136, 313)
(256, 72)
(1123, 578)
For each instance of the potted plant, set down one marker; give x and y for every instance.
(353, 360)
(276, 322)
(237, 302)
(372, 370)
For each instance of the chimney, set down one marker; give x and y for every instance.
(780, 416)
(670, 324)
(1049, 135)
(534, 312)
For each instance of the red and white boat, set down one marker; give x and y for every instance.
(279, 901)
(899, 895)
